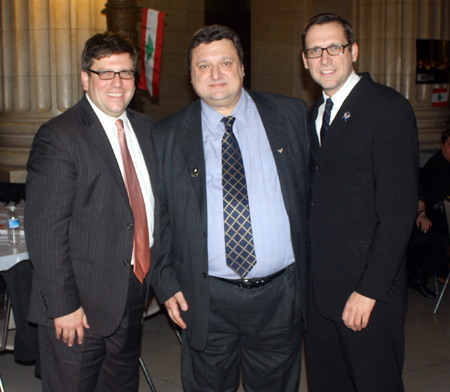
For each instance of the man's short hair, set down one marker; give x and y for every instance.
(325, 18)
(445, 135)
(212, 33)
(105, 45)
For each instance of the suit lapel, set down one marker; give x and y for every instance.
(276, 130)
(350, 107)
(190, 137)
(96, 134)
(315, 145)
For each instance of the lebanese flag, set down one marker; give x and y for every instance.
(151, 48)
(439, 97)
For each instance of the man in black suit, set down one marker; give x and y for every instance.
(91, 217)
(364, 165)
(240, 283)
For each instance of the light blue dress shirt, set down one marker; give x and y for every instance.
(270, 223)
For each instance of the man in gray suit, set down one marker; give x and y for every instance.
(233, 168)
(90, 220)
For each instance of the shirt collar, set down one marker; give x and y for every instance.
(339, 98)
(213, 117)
(107, 121)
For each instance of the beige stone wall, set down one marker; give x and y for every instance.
(277, 44)
(41, 44)
(184, 17)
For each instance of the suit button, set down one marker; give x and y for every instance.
(127, 263)
(204, 275)
(313, 204)
(129, 226)
(204, 234)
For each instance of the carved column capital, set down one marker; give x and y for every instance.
(121, 17)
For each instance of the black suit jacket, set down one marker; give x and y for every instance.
(183, 265)
(364, 200)
(78, 220)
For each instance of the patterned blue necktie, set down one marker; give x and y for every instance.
(326, 119)
(239, 247)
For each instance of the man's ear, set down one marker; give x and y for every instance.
(305, 60)
(85, 80)
(355, 52)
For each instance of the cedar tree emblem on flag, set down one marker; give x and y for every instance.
(151, 48)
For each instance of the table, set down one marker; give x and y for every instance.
(10, 255)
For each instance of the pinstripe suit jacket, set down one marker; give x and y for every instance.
(183, 265)
(78, 220)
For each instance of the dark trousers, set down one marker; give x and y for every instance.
(257, 331)
(108, 364)
(341, 360)
(427, 253)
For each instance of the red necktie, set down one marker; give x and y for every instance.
(141, 238)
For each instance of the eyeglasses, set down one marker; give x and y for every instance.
(107, 75)
(333, 50)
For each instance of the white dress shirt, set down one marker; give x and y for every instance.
(110, 128)
(338, 99)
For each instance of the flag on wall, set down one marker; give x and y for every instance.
(439, 97)
(151, 48)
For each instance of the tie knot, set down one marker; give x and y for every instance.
(228, 121)
(119, 124)
(329, 104)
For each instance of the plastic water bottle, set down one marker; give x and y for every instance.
(13, 226)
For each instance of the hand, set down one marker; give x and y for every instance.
(357, 311)
(69, 325)
(173, 306)
(423, 222)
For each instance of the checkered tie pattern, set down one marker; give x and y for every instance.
(141, 242)
(239, 246)
(326, 118)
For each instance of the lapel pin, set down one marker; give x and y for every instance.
(194, 172)
(280, 150)
(346, 116)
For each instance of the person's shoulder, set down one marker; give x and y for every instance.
(140, 117)
(381, 90)
(278, 102)
(183, 116)
(67, 120)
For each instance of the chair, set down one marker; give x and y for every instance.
(5, 342)
(447, 213)
(152, 309)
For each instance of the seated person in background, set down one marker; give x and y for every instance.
(427, 252)
(428, 246)
(435, 181)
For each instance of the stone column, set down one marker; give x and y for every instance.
(41, 45)
(122, 17)
(387, 42)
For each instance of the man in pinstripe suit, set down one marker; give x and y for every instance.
(80, 227)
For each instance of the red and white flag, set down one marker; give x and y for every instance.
(151, 48)
(439, 97)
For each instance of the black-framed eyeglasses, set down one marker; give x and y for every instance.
(333, 50)
(107, 75)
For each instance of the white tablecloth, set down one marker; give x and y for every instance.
(10, 255)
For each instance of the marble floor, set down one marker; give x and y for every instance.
(427, 365)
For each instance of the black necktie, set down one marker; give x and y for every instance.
(326, 119)
(239, 247)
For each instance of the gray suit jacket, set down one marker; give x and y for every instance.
(364, 200)
(183, 265)
(78, 220)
